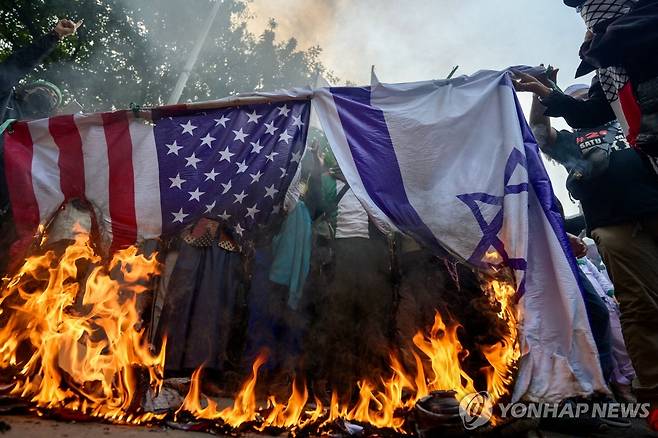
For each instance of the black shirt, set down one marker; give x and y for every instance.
(626, 190)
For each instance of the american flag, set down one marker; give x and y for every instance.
(155, 175)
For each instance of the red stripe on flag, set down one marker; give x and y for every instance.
(632, 112)
(121, 179)
(71, 162)
(18, 152)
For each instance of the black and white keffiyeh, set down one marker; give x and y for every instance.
(597, 11)
(612, 80)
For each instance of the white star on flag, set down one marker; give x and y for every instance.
(253, 117)
(270, 191)
(211, 175)
(297, 121)
(251, 212)
(270, 128)
(225, 155)
(222, 121)
(173, 148)
(285, 137)
(196, 195)
(228, 166)
(180, 216)
(276, 209)
(242, 166)
(188, 127)
(255, 177)
(227, 187)
(239, 230)
(239, 135)
(256, 147)
(239, 198)
(207, 140)
(192, 160)
(209, 207)
(177, 182)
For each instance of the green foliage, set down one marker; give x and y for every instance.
(134, 50)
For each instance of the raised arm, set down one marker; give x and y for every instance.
(588, 113)
(22, 61)
(540, 123)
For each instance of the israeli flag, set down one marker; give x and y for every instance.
(453, 164)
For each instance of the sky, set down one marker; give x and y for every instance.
(412, 40)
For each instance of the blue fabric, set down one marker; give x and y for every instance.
(291, 250)
(270, 325)
(200, 307)
(241, 169)
(599, 321)
(372, 148)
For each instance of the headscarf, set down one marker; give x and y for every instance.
(598, 11)
(46, 84)
(595, 12)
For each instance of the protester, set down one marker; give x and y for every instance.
(423, 283)
(34, 100)
(351, 329)
(622, 37)
(622, 373)
(619, 196)
(202, 301)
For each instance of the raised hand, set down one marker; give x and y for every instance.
(66, 27)
(526, 82)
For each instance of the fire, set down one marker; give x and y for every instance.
(70, 336)
(70, 332)
(380, 403)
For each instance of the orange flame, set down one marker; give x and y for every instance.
(378, 403)
(72, 337)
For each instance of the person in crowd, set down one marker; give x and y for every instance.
(37, 99)
(277, 299)
(29, 101)
(622, 369)
(622, 36)
(618, 191)
(203, 302)
(351, 327)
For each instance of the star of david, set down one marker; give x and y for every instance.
(490, 230)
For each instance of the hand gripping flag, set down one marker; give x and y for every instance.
(155, 174)
(453, 164)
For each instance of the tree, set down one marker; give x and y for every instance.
(134, 50)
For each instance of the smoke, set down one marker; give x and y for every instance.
(423, 39)
(307, 21)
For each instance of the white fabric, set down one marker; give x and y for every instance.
(601, 282)
(623, 372)
(146, 180)
(453, 138)
(45, 171)
(351, 218)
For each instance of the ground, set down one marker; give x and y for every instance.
(34, 427)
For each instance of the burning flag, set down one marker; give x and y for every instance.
(155, 172)
(453, 164)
